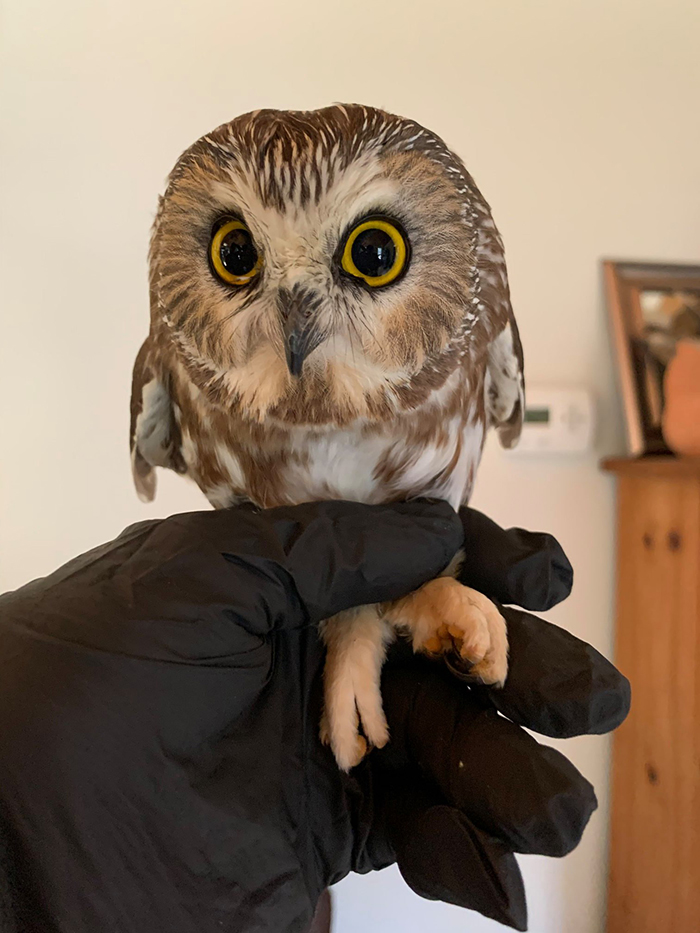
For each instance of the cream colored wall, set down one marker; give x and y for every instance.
(579, 120)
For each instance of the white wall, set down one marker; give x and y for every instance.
(579, 120)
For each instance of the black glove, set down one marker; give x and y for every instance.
(160, 767)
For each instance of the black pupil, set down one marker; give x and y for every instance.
(238, 252)
(373, 252)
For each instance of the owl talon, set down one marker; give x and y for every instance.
(351, 759)
(349, 754)
(324, 730)
(433, 645)
(490, 671)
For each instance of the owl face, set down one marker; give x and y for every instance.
(325, 254)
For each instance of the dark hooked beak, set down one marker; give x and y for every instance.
(298, 308)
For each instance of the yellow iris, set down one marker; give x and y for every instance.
(233, 254)
(375, 251)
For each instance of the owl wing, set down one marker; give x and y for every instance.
(504, 384)
(505, 388)
(155, 434)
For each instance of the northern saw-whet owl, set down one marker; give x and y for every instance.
(330, 319)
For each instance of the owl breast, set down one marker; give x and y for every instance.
(430, 450)
(378, 467)
(361, 463)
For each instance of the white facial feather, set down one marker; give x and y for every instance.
(298, 247)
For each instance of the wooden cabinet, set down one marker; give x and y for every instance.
(654, 882)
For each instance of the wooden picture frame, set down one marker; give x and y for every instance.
(651, 306)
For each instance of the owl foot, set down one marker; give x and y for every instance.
(444, 616)
(356, 642)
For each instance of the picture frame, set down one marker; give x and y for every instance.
(651, 306)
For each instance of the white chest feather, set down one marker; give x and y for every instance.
(349, 465)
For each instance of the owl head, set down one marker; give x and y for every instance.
(322, 266)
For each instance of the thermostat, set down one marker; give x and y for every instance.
(557, 420)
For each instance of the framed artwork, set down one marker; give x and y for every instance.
(651, 306)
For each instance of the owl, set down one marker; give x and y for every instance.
(330, 319)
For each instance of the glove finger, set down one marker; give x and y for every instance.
(282, 568)
(323, 557)
(525, 568)
(527, 795)
(443, 856)
(557, 684)
(204, 587)
(342, 554)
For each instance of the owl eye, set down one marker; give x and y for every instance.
(376, 251)
(233, 255)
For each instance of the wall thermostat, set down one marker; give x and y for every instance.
(557, 420)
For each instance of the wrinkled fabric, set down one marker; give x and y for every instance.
(160, 767)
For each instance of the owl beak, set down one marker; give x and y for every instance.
(301, 335)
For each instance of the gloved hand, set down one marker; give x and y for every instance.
(160, 767)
